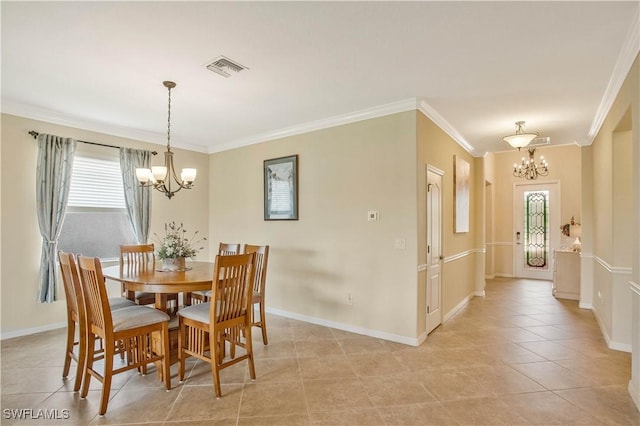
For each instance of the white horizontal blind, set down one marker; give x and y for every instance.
(96, 183)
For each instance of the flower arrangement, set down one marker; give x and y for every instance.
(175, 244)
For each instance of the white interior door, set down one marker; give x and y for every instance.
(536, 218)
(434, 249)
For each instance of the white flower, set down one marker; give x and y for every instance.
(174, 244)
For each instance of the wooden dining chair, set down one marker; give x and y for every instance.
(126, 329)
(225, 249)
(76, 317)
(205, 328)
(259, 283)
(139, 257)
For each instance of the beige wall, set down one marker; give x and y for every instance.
(20, 237)
(565, 166)
(332, 250)
(437, 149)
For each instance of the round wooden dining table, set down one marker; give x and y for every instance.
(197, 277)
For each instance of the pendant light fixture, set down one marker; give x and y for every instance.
(520, 138)
(160, 177)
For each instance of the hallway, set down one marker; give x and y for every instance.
(518, 356)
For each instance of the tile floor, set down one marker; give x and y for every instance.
(517, 356)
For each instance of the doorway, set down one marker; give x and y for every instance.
(434, 248)
(536, 222)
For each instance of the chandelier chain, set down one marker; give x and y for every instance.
(169, 122)
(161, 177)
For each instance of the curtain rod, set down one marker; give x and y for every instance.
(35, 136)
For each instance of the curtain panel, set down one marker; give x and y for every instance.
(137, 198)
(53, 178)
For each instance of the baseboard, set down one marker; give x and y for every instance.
(347, 327)
(635, 394)
(489, 277)
(611, 344)
(585, 306)
(456, 308)
(499, 275)
(27, 331)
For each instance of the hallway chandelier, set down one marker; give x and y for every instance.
(520, 138)
(528, 169)
(160, 177)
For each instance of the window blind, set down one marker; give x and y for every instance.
(96, 183)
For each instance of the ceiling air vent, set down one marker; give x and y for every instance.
(225, 66)
(540, 141)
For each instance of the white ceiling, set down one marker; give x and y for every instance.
(474, 67)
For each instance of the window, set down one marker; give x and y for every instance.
(536, 235)
(96, 221)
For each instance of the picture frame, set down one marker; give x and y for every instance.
(281, 188)
(461, 183)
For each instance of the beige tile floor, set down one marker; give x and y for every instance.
(517, 356)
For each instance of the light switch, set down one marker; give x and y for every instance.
(400, 244)
(372, 215)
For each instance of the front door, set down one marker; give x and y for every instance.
(434, 249)
(536, 229)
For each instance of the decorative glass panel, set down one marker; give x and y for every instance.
(536, 235)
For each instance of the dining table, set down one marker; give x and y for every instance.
(198, 276)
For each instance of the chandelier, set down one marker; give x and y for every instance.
(160, 177)
(520, 138)
(528, 169)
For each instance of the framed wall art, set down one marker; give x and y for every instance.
(281, 188)
(461, 182)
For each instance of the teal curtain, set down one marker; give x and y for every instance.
(53, 178)
(137, 198)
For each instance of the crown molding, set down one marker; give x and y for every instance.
(627, 56)
(325, 123)
(434, 116)
(48, 116)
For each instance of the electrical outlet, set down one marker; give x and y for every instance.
(400, 244)
(372, 215)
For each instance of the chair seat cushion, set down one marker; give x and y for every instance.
(199, 312)
(119, 303)
(137, 316)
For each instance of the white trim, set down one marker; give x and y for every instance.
(585, 306)
(346, 327)
(29, 331)
(422, 338)
(489, 277)
(325, 123)
(503, 275)
(611, 344)
(617, 270)
(53, 117)
(456, 308)
(635, 287)
(635, 394)
(422, 267)
(434, 116)
(623, 64)
(462, 254)
(435, 170)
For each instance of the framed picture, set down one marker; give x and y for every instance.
(461, 178)
(281, 188)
